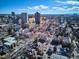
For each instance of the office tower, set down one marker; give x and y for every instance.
(12, 13)
(13, 17)
(37, 18)
(24, 17)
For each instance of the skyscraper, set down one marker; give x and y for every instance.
(13, 17)
(24, 17)
(12, 13)
(37, 18)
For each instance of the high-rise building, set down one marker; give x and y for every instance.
(12, 13)
(37, 18)
(24, 17)
(13, 17)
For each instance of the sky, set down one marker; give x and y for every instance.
(42, 6)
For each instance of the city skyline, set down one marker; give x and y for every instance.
(42, 6)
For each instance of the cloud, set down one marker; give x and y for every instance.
(69, 2)
(58, 8)
(48, 9)
(74, 5)
(74, 8)
(39, 7)
(21, 9)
